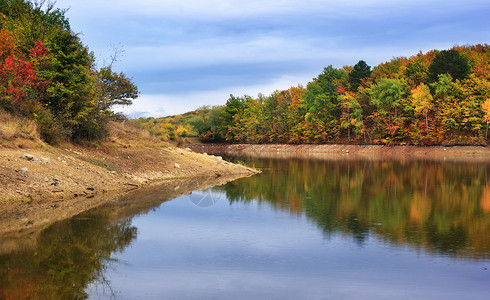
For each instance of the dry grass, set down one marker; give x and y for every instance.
(12, 128)
(126, 135)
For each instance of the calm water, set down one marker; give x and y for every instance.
(301, 230)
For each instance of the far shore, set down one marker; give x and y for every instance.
(338, 151)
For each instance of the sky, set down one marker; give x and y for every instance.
(184, 54)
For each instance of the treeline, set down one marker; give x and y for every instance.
(47, 74)
(440, 97)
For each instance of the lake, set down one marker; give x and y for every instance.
(303, 229)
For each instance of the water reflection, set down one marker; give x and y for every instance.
(70, 254)
(441, 207)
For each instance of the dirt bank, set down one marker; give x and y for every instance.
(372, 152)
(41, 184)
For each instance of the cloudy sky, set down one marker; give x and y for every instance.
(183, 54)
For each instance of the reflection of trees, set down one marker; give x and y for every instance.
(73, 253)
(70, 255)
(440, 206)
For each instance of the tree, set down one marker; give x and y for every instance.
(449, 62)
(422, 101)
(7, 44)
(353, 112)
(230, 118)
(115, 89)
(387, 94)
(360, 72)
(486, 110)
(20, 88)
(329, 79)
(48, 74)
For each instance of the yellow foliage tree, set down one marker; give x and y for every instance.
(422, 101)
(486, 109)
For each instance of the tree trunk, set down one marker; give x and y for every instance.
(348, 126)
(486, 132)
(426, 124)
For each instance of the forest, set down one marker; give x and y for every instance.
(49, 77)
(433, 98)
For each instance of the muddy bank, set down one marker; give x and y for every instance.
(372, 152)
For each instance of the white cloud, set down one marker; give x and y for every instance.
(206, 52)
(175, 49)
(160, 105)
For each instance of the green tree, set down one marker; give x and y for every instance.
(330, 79)
(387, 94)
(360, 72)
(449, 62)
(206, 123)
(230, 118)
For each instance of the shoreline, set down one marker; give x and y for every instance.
(44, 184)
(340, 151)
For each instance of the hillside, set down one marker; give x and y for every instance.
(202, 122)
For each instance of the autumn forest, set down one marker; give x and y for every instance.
(433, 98)
(441, 97)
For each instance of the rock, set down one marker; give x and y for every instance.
(139, 179)
(188, 149)
(24, 169)
(45, 160)
(180, 151)
(28, 157)
(177, 165)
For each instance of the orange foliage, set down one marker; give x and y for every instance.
(7, 44)
(485, 199)
(419, 208)
(295, 205)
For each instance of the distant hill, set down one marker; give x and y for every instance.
(189, 124)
